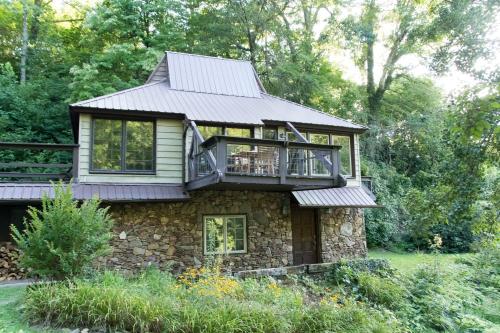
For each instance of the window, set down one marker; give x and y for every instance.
(122, 146)
(318, 167)
(239, 132)
(270, 133)
(345, 153)
(225, 234)
(209, 131)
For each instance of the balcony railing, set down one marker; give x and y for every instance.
(223, 160)
(37, 162)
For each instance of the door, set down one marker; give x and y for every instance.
(304, 236)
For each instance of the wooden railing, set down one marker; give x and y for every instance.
(237, 159)
(38, 161)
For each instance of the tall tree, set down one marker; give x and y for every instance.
(451, 31)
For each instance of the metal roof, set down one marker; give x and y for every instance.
(211, 75)
(335, 197)
(22, 192)
(160, 97)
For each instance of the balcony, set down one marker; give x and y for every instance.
(223, 162)
(37, 162)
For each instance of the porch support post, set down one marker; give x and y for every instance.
(199, 137)
(283, 163)
(74, 167)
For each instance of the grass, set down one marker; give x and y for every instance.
(11, 320)
(409, 262)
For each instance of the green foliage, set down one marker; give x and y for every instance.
(434, 163)
(156, 302)
(430, 299)
(63, 237)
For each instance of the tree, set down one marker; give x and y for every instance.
(63, 237)
(451, 31)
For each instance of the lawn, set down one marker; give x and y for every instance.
(409, 262)
(11, 320)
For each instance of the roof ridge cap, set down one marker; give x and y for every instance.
(312, 109)
(93, 99)
(210, 57)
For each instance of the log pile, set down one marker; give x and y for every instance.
(9, 263)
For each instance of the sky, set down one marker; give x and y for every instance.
(452, 83)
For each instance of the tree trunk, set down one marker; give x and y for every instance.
(24, 46)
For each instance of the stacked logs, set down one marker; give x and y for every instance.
(9, 263)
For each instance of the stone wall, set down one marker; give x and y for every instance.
(342, 234)
(171, 234)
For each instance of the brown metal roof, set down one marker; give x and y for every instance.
(190, 72)
(25, 192)
(335, 197)
(159, 97)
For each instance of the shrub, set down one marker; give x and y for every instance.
(381, 291)
(346, 272)
(63, 237)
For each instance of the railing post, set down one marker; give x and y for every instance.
(283, 165)
(335, 166)
(220, 160)
(75, 166)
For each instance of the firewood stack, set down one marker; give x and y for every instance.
(9, 263)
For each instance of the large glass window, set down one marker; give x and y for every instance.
(345, 153)
(318, 167)
(122, 145)
(225, 234)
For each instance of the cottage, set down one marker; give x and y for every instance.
(200, 161)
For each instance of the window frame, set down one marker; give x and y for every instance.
(308, 131)
(351, 151)
(225, 217)
(123, 147)
(225, 126)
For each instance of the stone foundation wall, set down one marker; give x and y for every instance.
(171, 234)
(342, 234)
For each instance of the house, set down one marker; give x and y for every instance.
(200, 161)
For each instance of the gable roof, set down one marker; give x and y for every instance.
(212, 90)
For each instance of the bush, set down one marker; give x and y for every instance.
(63, 237)
(157, 302)
(346, 272)
(381, 291)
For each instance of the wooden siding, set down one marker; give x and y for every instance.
(168, 155)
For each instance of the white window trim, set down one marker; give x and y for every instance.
(224, 217)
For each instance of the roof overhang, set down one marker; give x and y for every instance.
(347, 197)
(32, 193)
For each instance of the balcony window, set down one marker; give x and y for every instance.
(225, 234)
(318, 168)
(270, 133)
(239, 132)
(209, 131)
(122, 146)
(345, 153)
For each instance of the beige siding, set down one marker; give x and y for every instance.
(168, 155)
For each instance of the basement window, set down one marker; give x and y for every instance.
(224, 234)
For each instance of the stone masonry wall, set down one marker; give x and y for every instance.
(342, 234)
(171, 234)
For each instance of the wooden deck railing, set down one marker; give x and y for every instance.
(19, 162)
(238, 159)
